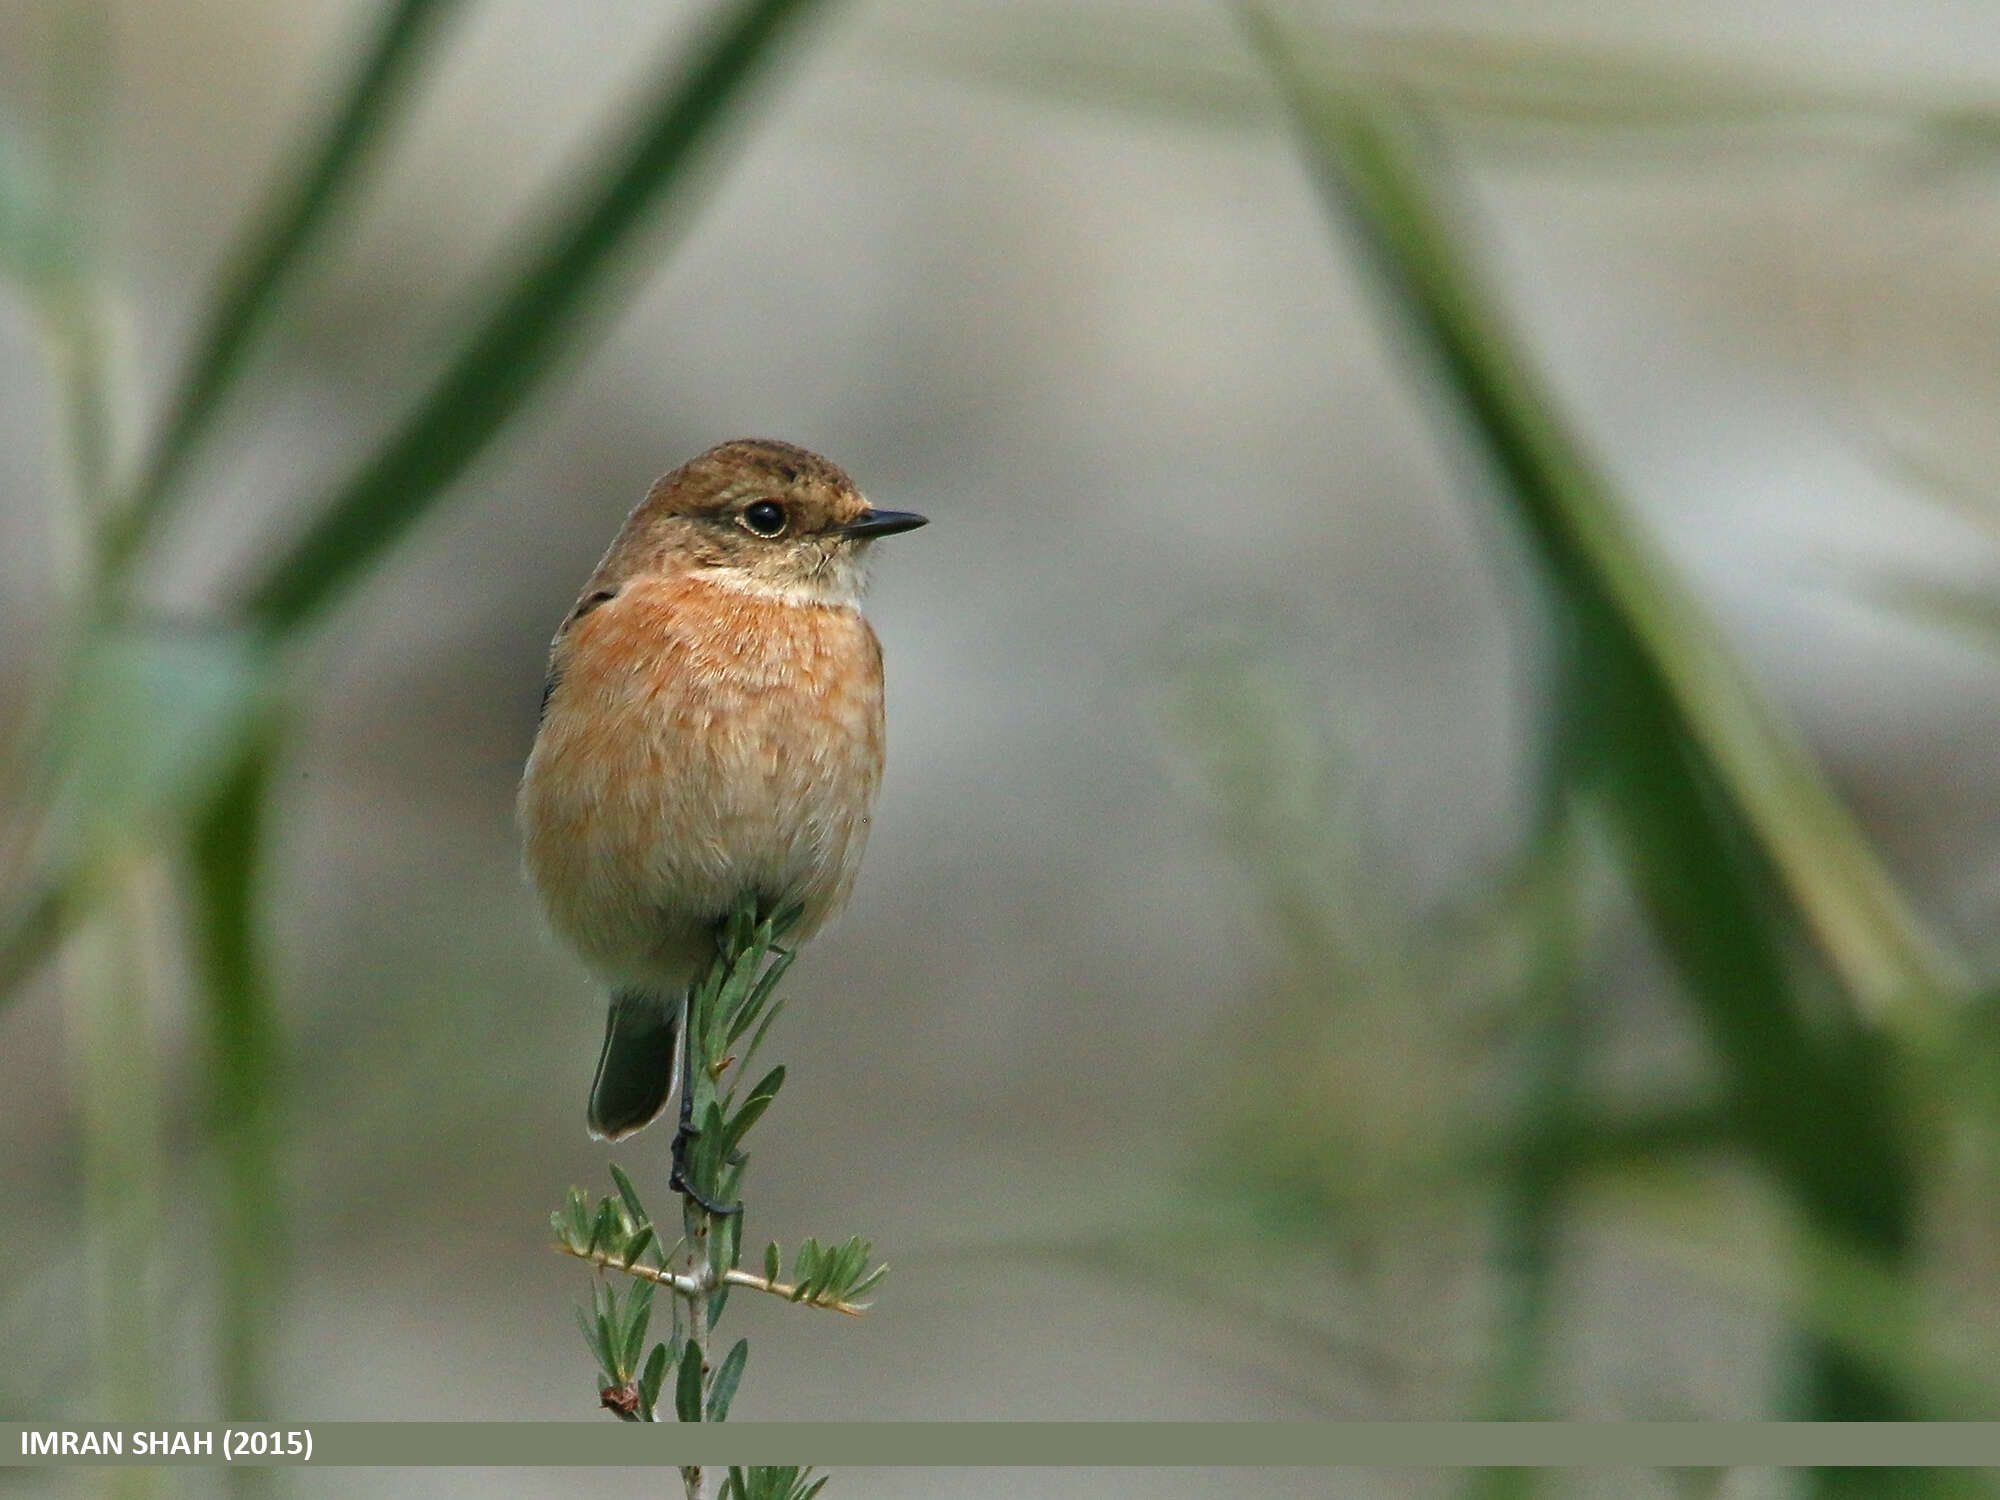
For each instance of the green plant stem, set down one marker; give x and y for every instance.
(114, 1053)
(244, 1115)
(1379, 171)
(1537, 1173)
(73, 321)
(1811, 1104)
(77, 53)
(1539, 1169)
(263, 265)
(1540, 1162)
(1732, 837)
(61, 278)
(696, 1223)
(116, 1087)
(684, 1284)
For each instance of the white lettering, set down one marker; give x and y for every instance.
(93, 1444)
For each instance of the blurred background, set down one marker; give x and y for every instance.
(1254, 880)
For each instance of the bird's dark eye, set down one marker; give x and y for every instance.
(765, 517)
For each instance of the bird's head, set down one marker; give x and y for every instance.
(759, 516)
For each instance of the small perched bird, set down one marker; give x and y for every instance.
(711, 726)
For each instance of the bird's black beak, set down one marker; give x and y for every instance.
(881, 523)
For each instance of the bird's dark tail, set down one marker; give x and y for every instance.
(635, 1071)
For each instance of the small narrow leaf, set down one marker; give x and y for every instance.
(649, 1381)
(760, 996)
(725, 1246)
(638, 1245)
(639, 1311)
(607, 1341)
(774, 1261)
(630, 1195)
(847, 1264)
(732, 1182)
(687, 1385)
(591, 1337)
(603, 1228)
(737, 984)
(701, 1010)
(723, 1391)
(766, 1088)
(739, 1126)
(711, 1146)
(757, 1041)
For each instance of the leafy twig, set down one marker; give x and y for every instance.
(736, 998)
(689, 1286)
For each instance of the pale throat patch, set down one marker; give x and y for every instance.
(835, 585)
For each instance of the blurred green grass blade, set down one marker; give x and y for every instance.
(1614, 1142)
(1182, 67)
(152, 722)
(296, 212)
(76, 58)
(31, 934)
(531, 325)
(47, 215)
(38, 242)
(1549, 80)
(1176, 65)
(1721, 814)
(114, 1102)
(1849, 1300)
(1531, 1189)
(1371, 162)
(1812, 1095)
(243, 1106)
(145, 732)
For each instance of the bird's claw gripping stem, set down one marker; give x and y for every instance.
(678, 1180)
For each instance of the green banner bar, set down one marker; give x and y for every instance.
(1016, 1444)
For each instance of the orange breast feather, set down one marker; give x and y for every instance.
(700, 741)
